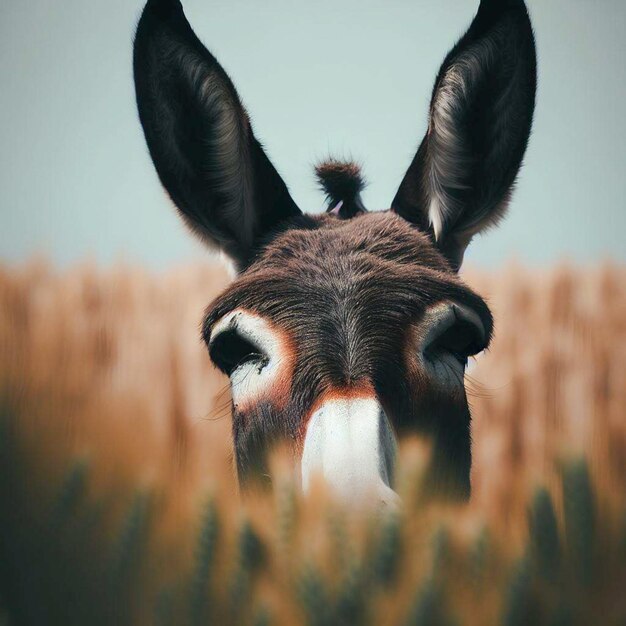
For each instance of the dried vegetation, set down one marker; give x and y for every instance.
(118, 503)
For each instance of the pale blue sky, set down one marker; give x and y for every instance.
(349, 77)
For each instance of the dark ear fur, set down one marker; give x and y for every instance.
(481, 112)
(200, 138)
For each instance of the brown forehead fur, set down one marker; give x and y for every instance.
(379, 251)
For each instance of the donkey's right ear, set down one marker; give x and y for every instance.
(200, 138)
(480, 118)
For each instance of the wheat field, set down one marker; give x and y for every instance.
(118, 503)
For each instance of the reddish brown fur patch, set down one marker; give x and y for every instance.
(361, 389)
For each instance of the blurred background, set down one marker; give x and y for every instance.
(348, 78)
(118, 499)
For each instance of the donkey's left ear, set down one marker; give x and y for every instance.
(481, 112)
(201, 140)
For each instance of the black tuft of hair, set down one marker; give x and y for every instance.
(342, 182)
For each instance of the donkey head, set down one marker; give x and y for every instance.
(347, 330)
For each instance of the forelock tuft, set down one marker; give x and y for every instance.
(342, 182)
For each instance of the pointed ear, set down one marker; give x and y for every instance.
(481, 112)
(200, 138)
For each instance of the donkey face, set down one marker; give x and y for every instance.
(344, 331)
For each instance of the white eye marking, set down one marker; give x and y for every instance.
(253, 377)
(350, 443)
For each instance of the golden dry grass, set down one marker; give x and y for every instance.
(118, 501)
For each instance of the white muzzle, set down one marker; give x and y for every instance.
(351, 445)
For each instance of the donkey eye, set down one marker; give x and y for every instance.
(461, 340)
(230, 350)
(455, 333)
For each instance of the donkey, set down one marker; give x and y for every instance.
(345, 331)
